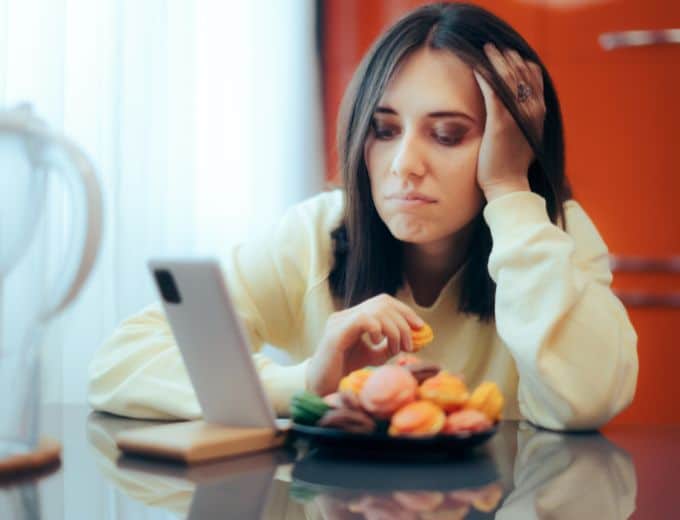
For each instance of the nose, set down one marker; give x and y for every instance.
(409, 158)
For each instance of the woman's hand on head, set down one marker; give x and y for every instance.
(505, 154)
(384, 319)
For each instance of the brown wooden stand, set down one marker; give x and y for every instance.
(197, 441)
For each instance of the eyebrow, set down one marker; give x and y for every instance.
(438, 114)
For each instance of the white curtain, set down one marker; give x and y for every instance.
(202, 119)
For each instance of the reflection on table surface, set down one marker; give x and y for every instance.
(522, 472)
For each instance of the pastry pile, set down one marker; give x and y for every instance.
(408, 397)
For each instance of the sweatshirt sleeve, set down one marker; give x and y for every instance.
(570, 336)
(139, 372)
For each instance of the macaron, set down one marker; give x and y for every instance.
(466, 421)
(447, 391)
(423, 371)
(354, 381)
(387, 389)
(419, 501)
(417, 419)
(483, 499)
(421, 337)
(355, 421)
(487, 398)
(333, 400)
(403, 359)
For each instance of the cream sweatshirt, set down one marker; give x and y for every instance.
(561, 349)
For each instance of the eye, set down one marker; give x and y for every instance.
(449, 135)
(383, 131)
(448, 139)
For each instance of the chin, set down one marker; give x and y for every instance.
(422, 231)
(414, 233)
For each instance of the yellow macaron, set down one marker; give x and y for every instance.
(421, 337)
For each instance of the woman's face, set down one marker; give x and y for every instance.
(421, 151)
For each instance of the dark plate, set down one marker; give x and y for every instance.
(381, 442)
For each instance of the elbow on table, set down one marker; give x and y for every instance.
(587, 415)
(140, 397)
(579, 396)
(104, 395)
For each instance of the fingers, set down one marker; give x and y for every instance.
(391, 330)
(537, 78)
(386, 318)
(364, 326)
(373, 328)
(513, 69)
(501, 65)
(414, 321)
(492, 104)
(406, 321)
(395, 335)
(487, 91)
(405, 332)
(377, 357)
(521, 70)
(538, 110)
(376, 338)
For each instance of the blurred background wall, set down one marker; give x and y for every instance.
(621, 110)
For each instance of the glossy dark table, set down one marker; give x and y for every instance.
(522, 472)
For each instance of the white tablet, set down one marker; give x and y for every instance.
(213, 342)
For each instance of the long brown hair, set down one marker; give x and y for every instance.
(368, 259)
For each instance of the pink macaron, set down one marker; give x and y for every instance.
(387, 389)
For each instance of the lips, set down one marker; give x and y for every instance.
(411, 197)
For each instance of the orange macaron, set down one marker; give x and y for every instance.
(421, 337)
(466, 421)
(419, 419)
(354, 381)
(488, 399)
(447, 391)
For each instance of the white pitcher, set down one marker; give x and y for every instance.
(29, 154)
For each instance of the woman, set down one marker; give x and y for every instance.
(456, 211)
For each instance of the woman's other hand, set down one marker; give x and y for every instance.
(384, 319)
(505, 154)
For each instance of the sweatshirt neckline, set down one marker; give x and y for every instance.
(450, 288)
